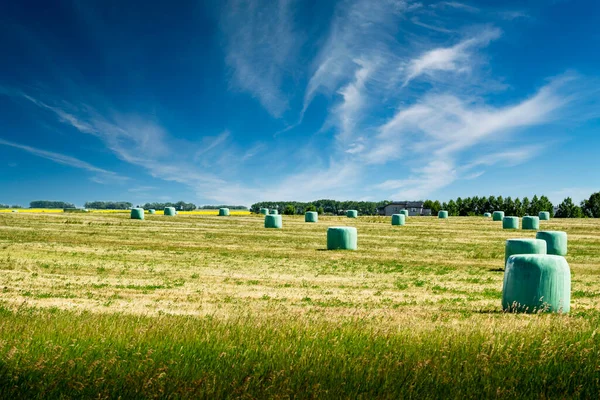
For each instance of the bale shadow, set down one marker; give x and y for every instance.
(496, 269)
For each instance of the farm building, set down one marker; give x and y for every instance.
(413, 207)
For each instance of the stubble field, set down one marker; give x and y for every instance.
(98, 305)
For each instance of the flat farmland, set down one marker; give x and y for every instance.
(98, 305)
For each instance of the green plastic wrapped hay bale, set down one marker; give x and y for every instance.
(556, 242)
(398, 219)
(537, 283)
(137, 213)
(487, 215)
(273, 221)
(443, 214)
(352, 214)
(170, 211)
(531, 223)
(264, 211)
(544, 216)
(311, 216)
(510, 223)
(273, 212)
(524, 246)
(404, 212)
(152, 211)
(223, 212)
(342, 238)
(498, 215)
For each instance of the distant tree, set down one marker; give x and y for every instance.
(310, 207)
(567, 209)
(544, 204)
(591, 206)
(108, 205)
(289, 210)
(518, 208)
(50, 204)
(15, 206)
(321, 210)
(452, 208)
(526, 205)
(4, 206)
(534, 208)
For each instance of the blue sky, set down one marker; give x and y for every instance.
(242, 101)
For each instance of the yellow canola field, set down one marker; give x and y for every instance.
(158, 212)
(32, 210)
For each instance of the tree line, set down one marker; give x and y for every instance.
(476, 205)
(479, 205)
(324, 206)
(50, 204)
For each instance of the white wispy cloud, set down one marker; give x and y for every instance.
(454, 59)
(444, 127)
(103, 174)
(457, 5)
(261, 45)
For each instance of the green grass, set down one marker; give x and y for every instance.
(206, 307)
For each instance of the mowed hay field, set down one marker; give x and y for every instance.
(194, 306)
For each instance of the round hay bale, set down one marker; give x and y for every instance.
(273, 221)
(342, 238)
(152, 211)
(532, 223)
(14, 211)
(223, 212)
(273, 212)
(137, 213)
(524, 246)
(398, 219)
(498, 215)
(510, 223)
(170, 211)
(487, 215)
(404, 212)
(311, 216)
(544, 216)
(556, 242)
(443, 214)
(264, 211)
(537, 283)
(352, 214)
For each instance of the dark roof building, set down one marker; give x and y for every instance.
(414, 208)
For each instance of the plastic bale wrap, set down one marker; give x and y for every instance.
(404, 212)
(273, 221)
(223, 212)
(498, 215)
(137, 213)
(443, 214)
(544, 216)
(273, 212)
(342, 238)
(398, 219)
(352, 214)
(537, 283)
(523, 246)
(264, 211)
(556, 242)
(311, 216)
(510, 223)
(152, 211)
(170, 211)
(531, 223)
(487, 215)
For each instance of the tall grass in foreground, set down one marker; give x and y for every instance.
(61, 354)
